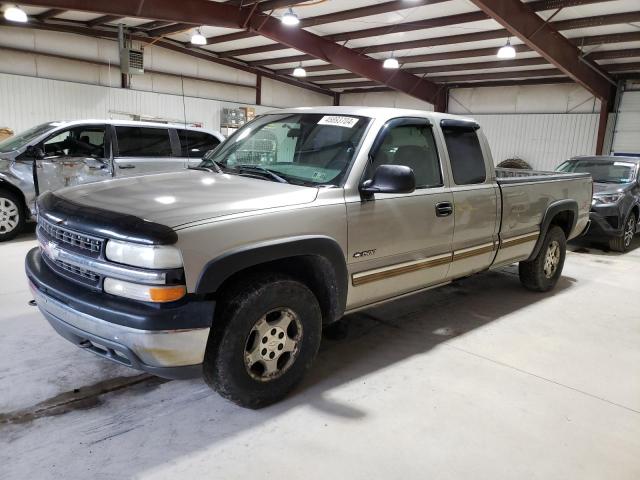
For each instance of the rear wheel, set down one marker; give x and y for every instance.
(542, 273)
(623, 242)
(263, 341)
(11, 215)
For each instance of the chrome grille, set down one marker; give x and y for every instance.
(70, 237)
(81, 272)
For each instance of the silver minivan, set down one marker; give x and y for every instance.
(60, 154)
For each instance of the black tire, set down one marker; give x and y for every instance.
(243, 305)
(533, 274)
(623, 242)
(514, 163)
(10, 226)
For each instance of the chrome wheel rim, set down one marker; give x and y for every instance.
(9, 215)
(629, 231)
(552, 259)
(273, 344)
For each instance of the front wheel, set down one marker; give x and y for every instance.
(11, 215)
(263, 341)
(542, 273)
(623, 242)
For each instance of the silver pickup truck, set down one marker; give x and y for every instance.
(55, 155)
(303, 215)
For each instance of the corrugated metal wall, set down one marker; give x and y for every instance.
(27, 101)
(542, 140)
(627, 131)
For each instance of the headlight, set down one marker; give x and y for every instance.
(145, 293)
(145, 256)
(607, 198)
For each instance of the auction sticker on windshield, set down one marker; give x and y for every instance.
(338, 121)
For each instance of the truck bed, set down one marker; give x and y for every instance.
(517, 175)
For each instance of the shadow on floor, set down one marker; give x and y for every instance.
(191, 418)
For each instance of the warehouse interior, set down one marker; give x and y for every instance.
(479, 378)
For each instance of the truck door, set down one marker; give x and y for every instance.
(475, 196)
(145, 150)
(400, 243)
(74, 156)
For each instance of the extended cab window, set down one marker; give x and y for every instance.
(414, 147)
(143, 142)
(465, 154)
(85, 141)
(196, 144)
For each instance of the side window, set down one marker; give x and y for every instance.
(413, 146)
(143, 142)
(84, 141)
(465, 154)
(196, 144)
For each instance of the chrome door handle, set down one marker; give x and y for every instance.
(444, 209)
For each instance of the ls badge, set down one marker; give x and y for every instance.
(365, 253)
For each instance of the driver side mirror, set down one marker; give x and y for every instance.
(34, 152)
(390, 179)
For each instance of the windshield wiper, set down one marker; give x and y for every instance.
(260, 169)
(204, 169)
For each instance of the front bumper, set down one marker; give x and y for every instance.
(107, 327)
(604, 224)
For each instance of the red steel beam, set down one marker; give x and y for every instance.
(103, 19)
(542, 37)
(196, 12)
(53, 12)
(343, 57)
(449, 21)
(340, 16)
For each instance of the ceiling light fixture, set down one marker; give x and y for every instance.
(290, 18)
(391, 63)
(15, 14)
(506, 51)
(299, 71)
(198, 39)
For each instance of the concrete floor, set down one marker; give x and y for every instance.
(481, 379)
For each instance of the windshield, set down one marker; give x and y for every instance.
(18, 141)
(602, 171)
(302, 148)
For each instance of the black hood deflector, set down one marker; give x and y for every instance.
(103, 223)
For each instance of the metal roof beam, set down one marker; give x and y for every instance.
(542, 37)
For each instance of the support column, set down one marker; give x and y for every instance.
(258, 89)
(602, 126)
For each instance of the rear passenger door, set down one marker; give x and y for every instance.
(194, 144)
(475, 198)
(142, 150)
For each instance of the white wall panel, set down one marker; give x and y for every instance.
(384, 99)
(554, 98)
(627, 130)
(27, 101)
(281, 94)
(542, 140)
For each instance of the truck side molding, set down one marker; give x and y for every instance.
(555, 208)
(331, 265)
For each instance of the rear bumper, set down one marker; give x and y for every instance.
(169, 351)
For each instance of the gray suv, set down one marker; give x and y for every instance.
(62, 154)
(615, 208)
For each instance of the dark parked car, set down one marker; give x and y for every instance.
(615, 208)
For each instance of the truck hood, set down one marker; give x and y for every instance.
(179, 198)
(611, 187)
